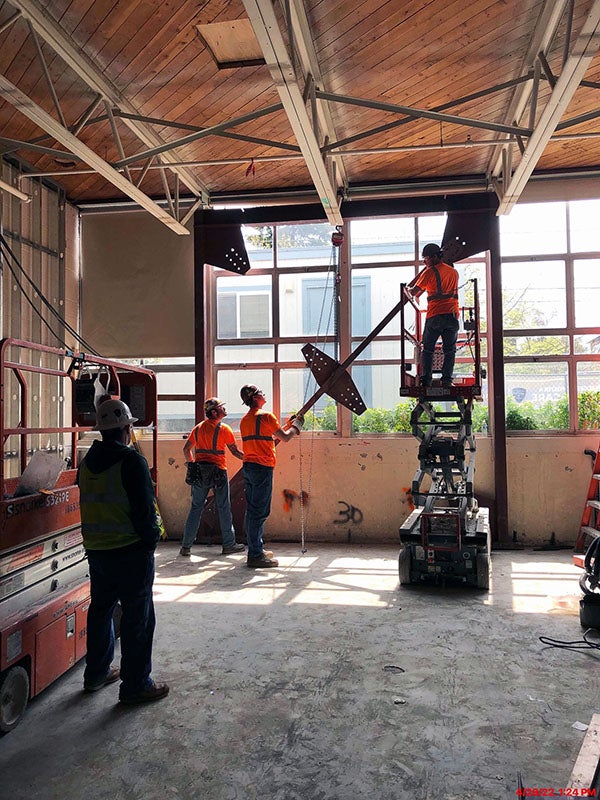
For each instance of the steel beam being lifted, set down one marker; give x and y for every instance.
(26, 106)
(583, 50)
(279, 62)
(85, 68)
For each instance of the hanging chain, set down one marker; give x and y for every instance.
(304, 496)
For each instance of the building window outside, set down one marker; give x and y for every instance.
(551, 289)
(297, 263)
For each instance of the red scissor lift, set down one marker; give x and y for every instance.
(44, 585)
(447, 535)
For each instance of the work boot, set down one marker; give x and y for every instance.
(185, 551)
(447, 382)
(156, 691)
(238, 547)
(261, 562)
(111, 676)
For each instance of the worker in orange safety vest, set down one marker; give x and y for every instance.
(204, 452)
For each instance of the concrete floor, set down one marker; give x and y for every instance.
(324, 680)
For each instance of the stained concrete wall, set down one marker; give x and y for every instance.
(357, 487)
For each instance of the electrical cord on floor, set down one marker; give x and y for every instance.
(578, 644)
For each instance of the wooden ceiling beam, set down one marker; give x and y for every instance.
(583, 51)
(279, 62)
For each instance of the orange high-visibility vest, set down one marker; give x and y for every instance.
(257, 429)
(209, 440)
(441, 284)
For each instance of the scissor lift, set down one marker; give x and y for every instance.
(447, 535)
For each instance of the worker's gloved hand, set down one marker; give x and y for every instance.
(297, 421)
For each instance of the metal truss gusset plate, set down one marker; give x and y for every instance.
(336, 381)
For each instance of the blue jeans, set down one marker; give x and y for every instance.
(200, 492)
(446, 326)
(258, 485)
(126, 575)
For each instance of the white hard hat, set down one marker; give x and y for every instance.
(113, 414)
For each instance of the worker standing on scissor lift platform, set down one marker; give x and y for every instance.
(440, 281)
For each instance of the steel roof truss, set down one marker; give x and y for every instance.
(307, 54)
(279, 62)
(193, 137)
(421, 113)
(583, 50)
(85, 68)
(390, 125)
(36, 114)
(116, 137)
(541, 40)
(225, 134)
(49, 84)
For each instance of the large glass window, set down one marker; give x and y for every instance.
(382, 240)
(587, 292)
(294, 295)
(534, 229)
(303, 245)
(552, 328)
(534, 295)
(244, 307)
(537, 396)
(259, 246)
(583, 224)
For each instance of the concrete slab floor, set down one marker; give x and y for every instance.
(325, 680)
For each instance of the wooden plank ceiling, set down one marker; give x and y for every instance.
(445, 56)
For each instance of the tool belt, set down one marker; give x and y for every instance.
(204, 474)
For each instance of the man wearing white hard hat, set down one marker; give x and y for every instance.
(121, 527)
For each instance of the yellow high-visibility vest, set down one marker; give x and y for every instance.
(105, 510)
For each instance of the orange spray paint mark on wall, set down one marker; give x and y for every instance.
(409, 498)
(289, 495)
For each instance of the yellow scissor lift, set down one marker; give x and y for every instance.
(447, 535)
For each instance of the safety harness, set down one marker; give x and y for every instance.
(256, 435)
(439, 295)
(214, 451)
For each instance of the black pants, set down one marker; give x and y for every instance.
(125, 575)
